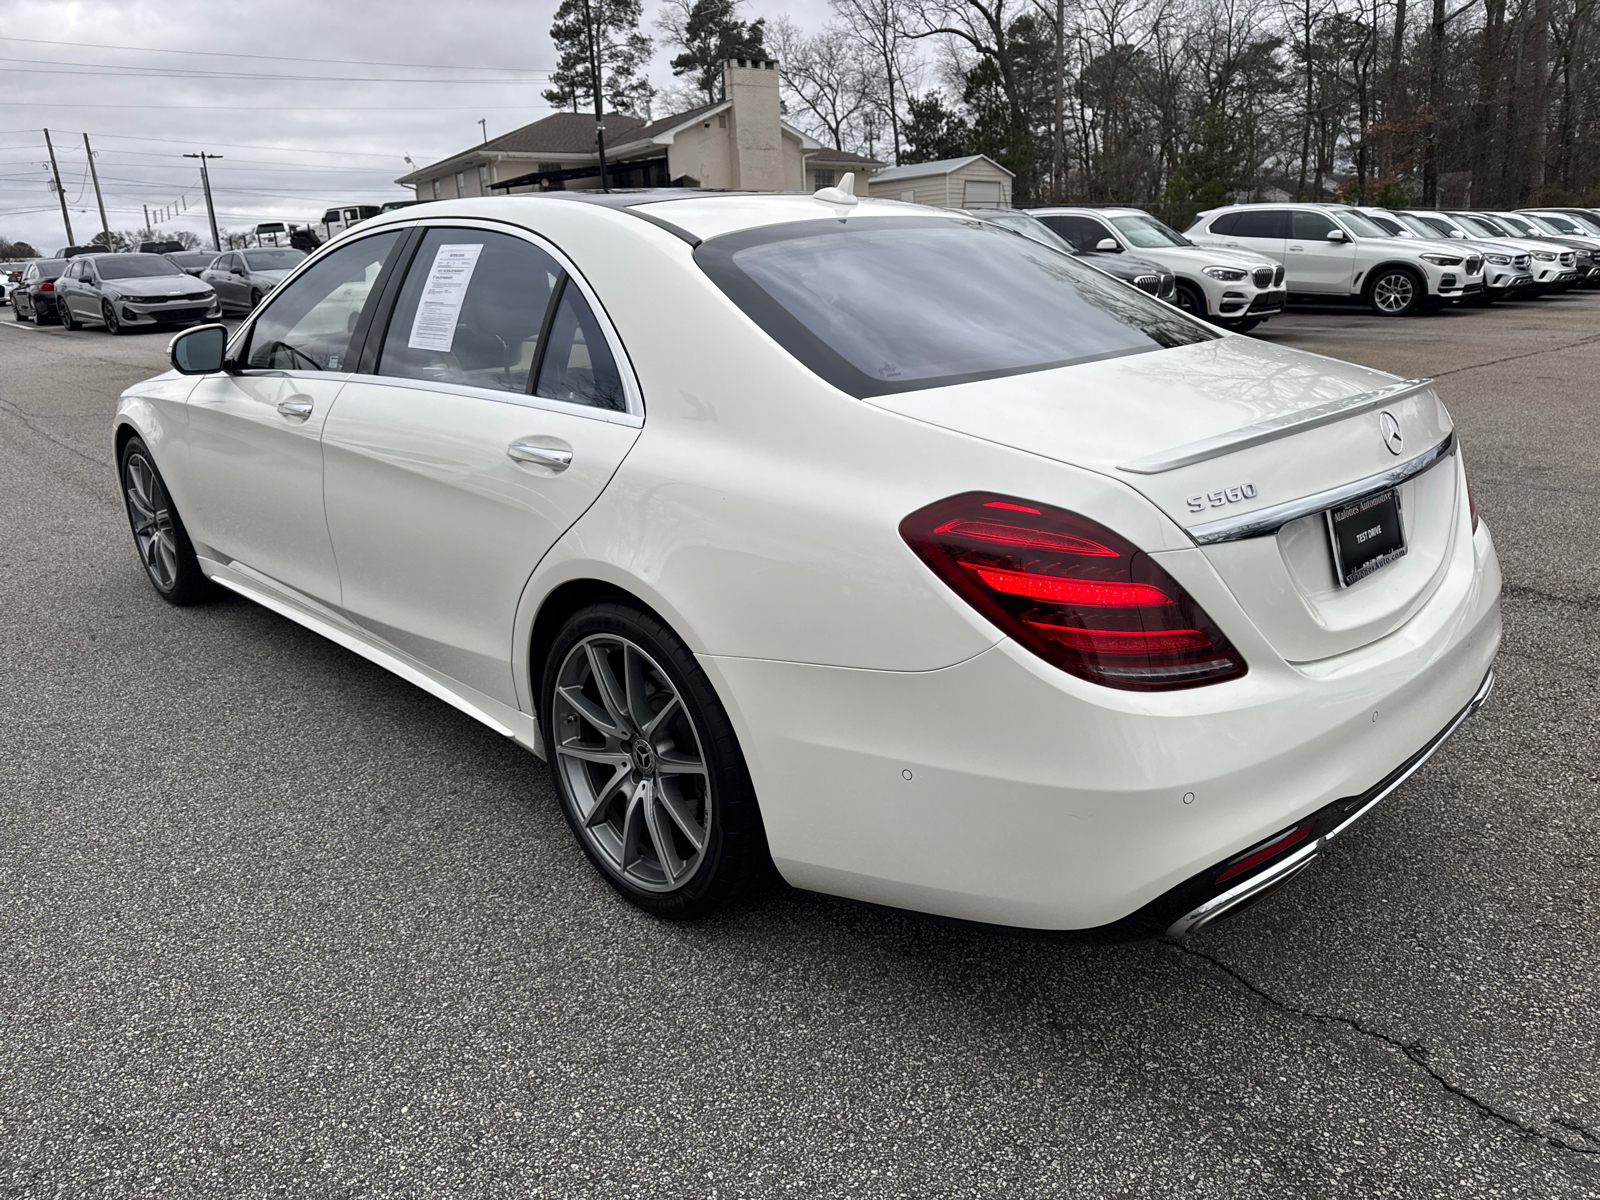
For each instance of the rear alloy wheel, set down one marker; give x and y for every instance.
(16, 310)
(1395, 292)
(1190, 299)
(158, 534)
(649, 772)
(68, 321)
(108, 314)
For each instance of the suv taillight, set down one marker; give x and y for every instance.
(1077, 595)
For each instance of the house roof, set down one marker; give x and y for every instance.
(943, 166)
(643, 133)
(559, 134)
(843, 157)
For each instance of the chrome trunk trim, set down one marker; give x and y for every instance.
(1272, 429)
(1266, 521)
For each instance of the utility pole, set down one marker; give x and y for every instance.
(94, 175)
(592, 18)
(147, 224)
(205, 181)
(60, 195)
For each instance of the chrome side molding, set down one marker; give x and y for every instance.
(1273, 428)
(1269, 520)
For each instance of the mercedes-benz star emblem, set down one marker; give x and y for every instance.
(1390, 429)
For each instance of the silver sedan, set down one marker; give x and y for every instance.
(243, 277)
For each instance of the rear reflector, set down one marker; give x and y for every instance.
(1254, 858)
(1073, 592)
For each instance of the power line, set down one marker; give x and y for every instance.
(303, 108)
(138, 72)
(130, 137)
(343, 62)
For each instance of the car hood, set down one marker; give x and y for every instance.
(157, 285)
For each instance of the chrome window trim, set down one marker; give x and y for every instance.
(1269, 520)
(1272, 429)
(631, 420)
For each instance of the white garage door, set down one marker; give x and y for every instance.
(982, 193)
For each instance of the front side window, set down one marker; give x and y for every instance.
(308, 326)
(1312, 226)
(1083, 232)
(471, 310)
(902, 303)
(1147, 233)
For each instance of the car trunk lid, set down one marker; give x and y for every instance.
(1227, 437)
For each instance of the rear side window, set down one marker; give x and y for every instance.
(578, 366)
(1264, 223)
(893, 305)
(471, 310)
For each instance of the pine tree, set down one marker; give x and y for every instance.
(710, 36)
(624, 53)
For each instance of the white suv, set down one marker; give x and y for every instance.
(1236, 289)
(1331, 251)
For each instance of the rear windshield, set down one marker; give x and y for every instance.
(200, 258)
(273, 260)
(896, 304)
(134, 267)
(1034, 228)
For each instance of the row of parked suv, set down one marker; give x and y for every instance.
(1240, 264)
(123, 291)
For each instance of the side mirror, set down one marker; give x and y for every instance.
(199, 351)
(1456, 233)
(1110, 245)
(1336, 235)
(237, 270)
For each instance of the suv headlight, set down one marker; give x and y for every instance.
(1225, 274)
(1441, 260)
(1499, 260)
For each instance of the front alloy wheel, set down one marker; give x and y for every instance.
(108, 314)
(1395, 293)
(158, 533)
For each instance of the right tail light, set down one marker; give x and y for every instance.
(47, 286)
(1073, 592)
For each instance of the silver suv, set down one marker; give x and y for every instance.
(1331, 251)
(1505, 268)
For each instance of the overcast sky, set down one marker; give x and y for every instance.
(292, 146)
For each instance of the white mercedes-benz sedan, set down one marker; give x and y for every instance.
(876, 543)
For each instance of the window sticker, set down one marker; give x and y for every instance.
(434, 327)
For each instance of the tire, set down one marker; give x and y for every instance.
(255, 299)
(1190, 299)
(108, 314)
(68, 321)
(159, 537)
(16, 312)
(1395, 292)
(679, 843)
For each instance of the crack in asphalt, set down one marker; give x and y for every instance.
(1521, 590)
(1588, 341)
(1414, 1053)
(28, 423)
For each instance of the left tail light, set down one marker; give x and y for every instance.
(1073, 592)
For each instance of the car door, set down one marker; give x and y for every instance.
(495, 409)
(215, 274)
(1264, 230)
(253, 449)
(1315, 264)
(67, 286)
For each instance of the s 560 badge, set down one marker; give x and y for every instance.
(1244, 491)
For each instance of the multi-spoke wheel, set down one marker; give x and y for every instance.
(645, 760)
(1394, 292)
(158, 534)
(108, 314)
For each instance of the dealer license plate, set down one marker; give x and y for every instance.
(1367, 535)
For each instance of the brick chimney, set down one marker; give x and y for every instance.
(752, 85)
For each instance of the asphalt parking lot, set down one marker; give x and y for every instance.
(276, 923)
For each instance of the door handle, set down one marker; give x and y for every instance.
(1297, 247)
(296, 408)
(550, 453)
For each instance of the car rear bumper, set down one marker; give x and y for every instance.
(1003, 791)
